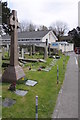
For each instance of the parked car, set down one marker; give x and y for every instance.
(77, 50)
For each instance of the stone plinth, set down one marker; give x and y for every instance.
(12, 74)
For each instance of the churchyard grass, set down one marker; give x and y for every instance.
(46, 89)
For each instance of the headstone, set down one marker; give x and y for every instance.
(31, 82)
(23, 53)
(8, 102)
(33, 50)
(49, 52)
(14, 72)
(21, 92)
(45, 52)
(30, 50)
(8, 50)
(3, 52)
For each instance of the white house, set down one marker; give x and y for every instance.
(64, 46)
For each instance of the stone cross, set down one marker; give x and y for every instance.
(14, 40)
(14, 72)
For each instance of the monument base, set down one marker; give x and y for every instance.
(12, 74)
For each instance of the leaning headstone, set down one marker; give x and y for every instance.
(14, 72)
(8, 102)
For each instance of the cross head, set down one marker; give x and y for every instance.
(13, 22)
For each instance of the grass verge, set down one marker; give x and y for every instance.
(46, 89)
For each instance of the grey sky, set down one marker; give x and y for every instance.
(46, 12)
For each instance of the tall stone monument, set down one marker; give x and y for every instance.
(46, 50)
(14, 72)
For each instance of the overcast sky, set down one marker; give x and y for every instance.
(46, 12)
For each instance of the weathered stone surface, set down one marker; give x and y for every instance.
(8, 102)
(21, 92)
(14, 71)
(31, 50)
(45, 53)
(42, 60)
(31, 83)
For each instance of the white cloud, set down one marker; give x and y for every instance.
(46, 11)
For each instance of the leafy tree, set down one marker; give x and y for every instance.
(75, 34)
(5, 16)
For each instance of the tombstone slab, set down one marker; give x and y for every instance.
(31, 83)
(8, 102)
(42, 60)
(21, 92)
(14, 72)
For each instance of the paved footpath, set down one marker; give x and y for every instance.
(67, 102)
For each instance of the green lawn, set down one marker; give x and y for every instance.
(46, 89)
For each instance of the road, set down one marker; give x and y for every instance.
(67, 102)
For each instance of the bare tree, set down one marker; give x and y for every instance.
(31, 27)
(27, 26)
(23, 26)
(42, 27)
(60, 28)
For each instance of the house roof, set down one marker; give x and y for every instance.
(33, 34)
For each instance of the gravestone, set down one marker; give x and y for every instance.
(30, 50)
(8, 102)
(14, 72)
(8, 50)
(46, 50)
(49, 52)
(3, 52)
(21, 92)
(31, 83)
(33, 49)
(23, 53)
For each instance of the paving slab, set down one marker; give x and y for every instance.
(67, 102)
